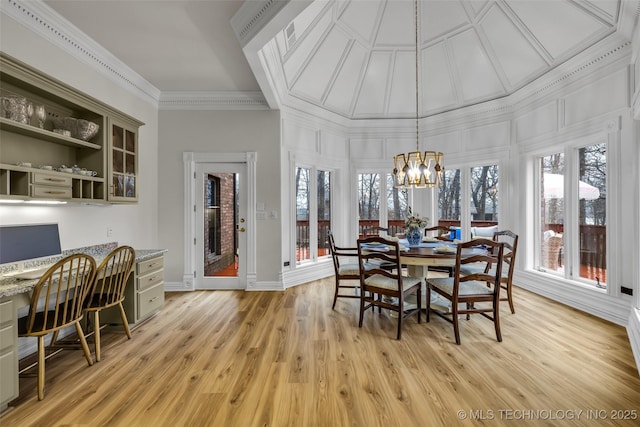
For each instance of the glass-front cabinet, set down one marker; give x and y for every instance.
(61, 145)
(123, 162)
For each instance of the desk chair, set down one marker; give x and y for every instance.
(473, 288)
(108, 289)
(57, 301)
(386, 288)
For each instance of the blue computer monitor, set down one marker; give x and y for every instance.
(23, 242)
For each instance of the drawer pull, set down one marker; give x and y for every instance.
(153, 299)
(55, 192)
(55, 179)
(151, 279)
(152, 265)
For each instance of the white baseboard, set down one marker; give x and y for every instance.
(633, 331)
(176, 287)
(592, 301)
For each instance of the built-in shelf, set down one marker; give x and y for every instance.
(44, 135)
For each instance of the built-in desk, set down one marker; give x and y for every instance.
(144, 297)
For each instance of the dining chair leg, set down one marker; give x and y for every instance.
(400, 317)
(83, 343)
(361, 311)
(335, 295)
(125, 322)
(96, 333)
(496, 321)
(419, 301)
(428, 307)
(41, 359)
(456, 326)
(509, 297)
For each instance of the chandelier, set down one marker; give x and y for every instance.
(417, 169)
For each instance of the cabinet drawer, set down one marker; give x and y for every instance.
(50, 191)
(6, 311)
(151, 279)
(150, 265)
(7, 334)
(150, 300)
(43, 178)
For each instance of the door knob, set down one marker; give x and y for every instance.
(242, 230)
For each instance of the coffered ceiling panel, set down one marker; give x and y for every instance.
(560, 26)
(514, 54)
(438, 88)
(314, 79)
(440, 18)
(477, 75)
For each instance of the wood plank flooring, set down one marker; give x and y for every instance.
(234, 358)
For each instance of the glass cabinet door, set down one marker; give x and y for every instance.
(124, 164)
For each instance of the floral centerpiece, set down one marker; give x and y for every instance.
(414, 224)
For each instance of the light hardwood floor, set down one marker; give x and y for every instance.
(233, 358)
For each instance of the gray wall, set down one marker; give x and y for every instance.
(221, 132)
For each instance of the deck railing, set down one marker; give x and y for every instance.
(593, 253)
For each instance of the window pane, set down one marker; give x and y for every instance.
(592, 165)
(450, 198)
(302, 214)
(552, 214)
(368, 203)
(324, 211)
(484, 196)
(397, 205)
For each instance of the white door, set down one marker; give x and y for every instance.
(220, 218)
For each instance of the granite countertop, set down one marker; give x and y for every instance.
(10, 286)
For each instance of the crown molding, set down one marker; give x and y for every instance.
(214, 100)
(43, 20)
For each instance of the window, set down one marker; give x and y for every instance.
(592, 213)
(484, 195)
(324, 211)
(577, 217)
(368, 203)
(213, 214)
(450, 198)
(302, 214)
(313, 213)
(397, 206)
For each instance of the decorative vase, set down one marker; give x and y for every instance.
(414, 236)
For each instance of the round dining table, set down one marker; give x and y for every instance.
(419, 258)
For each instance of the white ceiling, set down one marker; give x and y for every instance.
(355, 58)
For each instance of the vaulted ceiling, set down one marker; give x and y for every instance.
(354, 58)
(358, 58)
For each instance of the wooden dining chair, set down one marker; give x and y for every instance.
(109, 290)
(57, 301)
(385, 288)
(475, 289)
(344, 271)
(441, 232)
(510, 240)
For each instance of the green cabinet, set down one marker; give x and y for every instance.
(43, 129)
